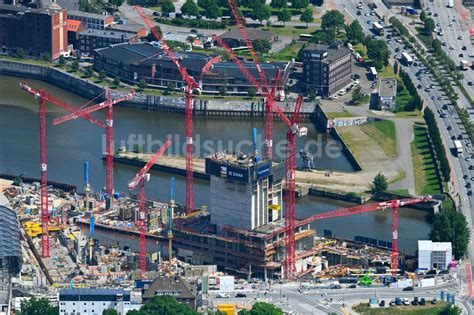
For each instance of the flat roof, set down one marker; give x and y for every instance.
(334, 53)
(106, 33)
(20, 8)
(388, 87)
(434, 246)
(88, 15)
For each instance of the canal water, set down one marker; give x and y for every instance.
(73, 142)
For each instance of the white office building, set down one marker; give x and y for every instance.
(434, 255)
(94, 301)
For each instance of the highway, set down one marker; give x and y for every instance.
(456, 35)
(436, 100)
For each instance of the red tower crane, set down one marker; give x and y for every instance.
(191, 85)
(109, 122)
(270, 102)
(139, 179)
(44, 97)
(290, 182)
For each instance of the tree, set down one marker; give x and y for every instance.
(423, 16)
(20, 52)
(395, 67)
(284, 16)
(222, 90)
(357, 95)
(355, 33)
(450, 310)
(307, 16)
(190, 8)
(206, 3)
(142, 84)
(168, 7)
(430, 25)
(451, 226)
(262, 308)
(261, 12)
(213, 12)
(164, 305)
(299, 4)
(110, 312)
(378, 52)
(116, 80)
(46, 56)
(75, 65)
(61, 60)
(251, 92)
(379, 183)
(262, 46)
(102, 75)
(278, 4)
(36, 306)
(327, 37)
(169, 88)
(88, 72)
(312, 95)
(332, 20)
(116, 2)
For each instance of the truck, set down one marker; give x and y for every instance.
(464, 65)
(377, 28)
(407, 58)
(450, 4)
(458, 147)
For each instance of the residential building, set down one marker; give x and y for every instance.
(326, 69)
(37, 31)
(136, 29)
(177, 287)
(234, 38)
(92, 39)
(434, 255)
(94, 301)
(74, 27)
(387, 97)
(92, 20)
(244, 189)
(133, 62)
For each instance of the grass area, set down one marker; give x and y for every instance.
(387, 73)
(401, 175)
(344, 113)
(403, 98)
(403, 192)
(290, 30)
(383, 132)
(29, 61)
(414, 114)
(428, 309)
(290, 51)
(426, 179)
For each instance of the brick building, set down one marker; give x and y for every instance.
(326, 69)
(92, 20)
(37, 31)
(92, 39)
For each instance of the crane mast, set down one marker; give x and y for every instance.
(191, 85)
(139, 180)
(44, 97)
(170, 228)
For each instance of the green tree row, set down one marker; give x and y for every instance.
(435, 136)
(415, 102)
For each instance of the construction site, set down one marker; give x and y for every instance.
(250, 228)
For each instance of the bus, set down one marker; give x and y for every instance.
(305, 37)
(407, 58)
(458, 147)
(373, 73)
(377, 28)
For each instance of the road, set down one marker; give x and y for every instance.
(312, 299)
(436, 100)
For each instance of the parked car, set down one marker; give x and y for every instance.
(398, 301)
(422, 301)
(434, 301)
(382, 303)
